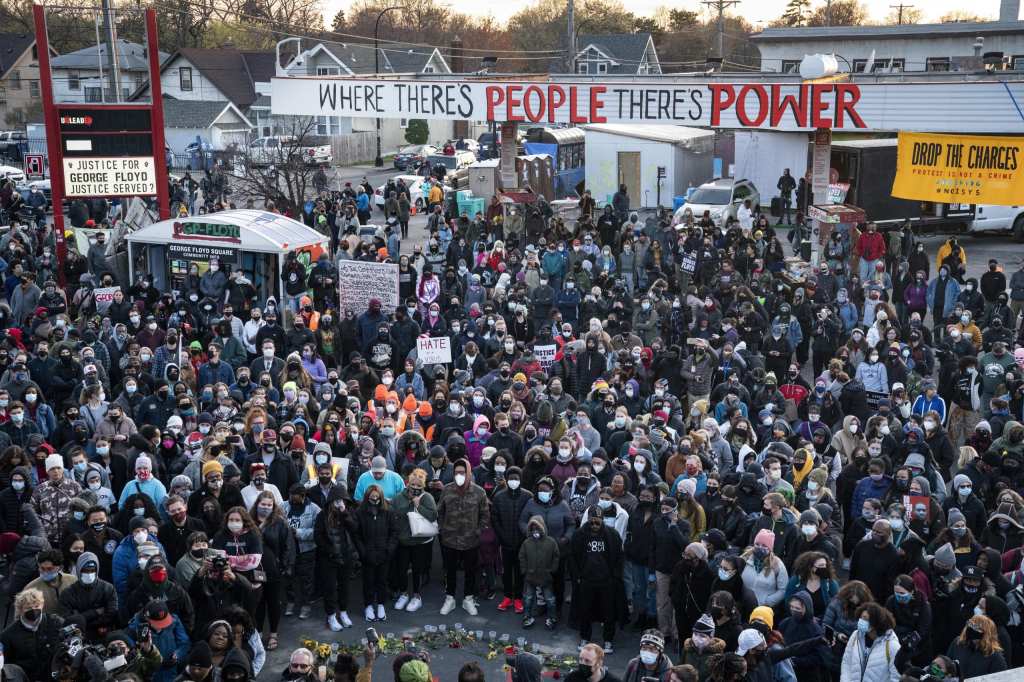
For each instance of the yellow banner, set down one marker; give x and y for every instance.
(974, 169)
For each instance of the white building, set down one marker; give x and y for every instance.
(350, 59)
(632, 154)
(82, 76)
(899, 48)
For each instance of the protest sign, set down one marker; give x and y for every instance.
(434, 350)
(545, 354)
(104, 296)
(359, 281)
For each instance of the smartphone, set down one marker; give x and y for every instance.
(372, 637)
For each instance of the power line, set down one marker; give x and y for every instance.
(899, 8)
(721, 5)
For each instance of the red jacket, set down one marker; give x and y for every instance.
(871, 245)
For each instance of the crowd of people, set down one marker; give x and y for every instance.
(644, 425)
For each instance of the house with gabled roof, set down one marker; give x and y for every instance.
(631, 54)
(82, 75)
(19, 75)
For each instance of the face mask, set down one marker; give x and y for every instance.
(965, 491)
(896, 524)
(903, 598)
(544, 496)
(460, 480)
(959, 532)
(725, 575)
(863, 626)
(140, 537)
(235, 526)
(648, 657)
(18, 485)
(513, 484)
(808, 529)
(854, 427)
(87, 578)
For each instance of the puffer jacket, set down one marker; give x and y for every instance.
(376, 535)
(16, 512)
(506, 508)
(302, 522)
(333, 540)
(52, 502)
(557, 520)
(401, 505)
(795, 629)
(126, 560)
(96, 603)
(462, 513)
(879, 665)
(700, 659)
(538, 557)
(25, 569)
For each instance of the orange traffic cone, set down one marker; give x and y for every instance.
(412, 210)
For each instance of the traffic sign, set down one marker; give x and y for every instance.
(34, 166)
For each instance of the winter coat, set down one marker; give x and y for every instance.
(172, 642)
(506, 508)
(974, 663)
(805, 627)
(126, 560)
(401, 505)
(462, 513)
(376, 535)
(333, 543)
(557, 518)
(302, 522)
(670, 539)
(878, 666)
(767, 587)
(33, 650)
(52, 503)
(538, 558)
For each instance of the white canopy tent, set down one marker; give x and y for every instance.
(252, 240)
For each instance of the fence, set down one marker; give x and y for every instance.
(353, 148)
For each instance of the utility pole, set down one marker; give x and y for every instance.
(570, 36)
(899, 9)
(720, 6)
(828, 12)
(110, 38)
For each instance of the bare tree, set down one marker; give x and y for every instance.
(282, 173)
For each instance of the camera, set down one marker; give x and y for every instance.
(219, 562)
(71, 637)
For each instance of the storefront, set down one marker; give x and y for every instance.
(255, 241)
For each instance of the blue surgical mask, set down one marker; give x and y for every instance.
(903, 598)
(863, 626)
(544, 497)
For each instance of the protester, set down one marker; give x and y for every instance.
(692, 435)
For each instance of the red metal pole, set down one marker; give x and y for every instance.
(157, 115)
(53, 146)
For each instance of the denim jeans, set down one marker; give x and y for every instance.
(530, 599)
(640, 591)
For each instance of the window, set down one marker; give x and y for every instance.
(741, 192)
(1017, 62)
(35, 53)
(74, 82)
(428, 69)
(328, 70)
(93, 94)
(185, 78)
(884, 64)
(859, 65)
(936, 64)
(583, 67)
(3, 98)
(328, 125)
(793, 65)
(602, 67)
(403, 123)
(15, 80)
(33, 89)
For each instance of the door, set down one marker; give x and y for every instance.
(629, 174)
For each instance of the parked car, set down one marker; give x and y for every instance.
(722, 197)
(265, 151)
(13, 173)
(13, 143)
(489, 146)
(452, 162)
(417, 195)
(409, 158)
(42, 185)
(989, 218)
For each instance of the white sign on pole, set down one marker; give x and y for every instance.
(928, 105)
(104, 296)
(821, 163)
(435, 350)
(545, 354)
(360, 281)
(109, 176)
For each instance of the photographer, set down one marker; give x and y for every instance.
(141, 662)
(215, 588)
(33, 639)
(157, 625)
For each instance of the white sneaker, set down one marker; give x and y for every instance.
(401, 602)
(380, 612)
(370, 614)
(344, 619)
(448, 606)
(414, 604)
(333, 624)
(469, 606)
